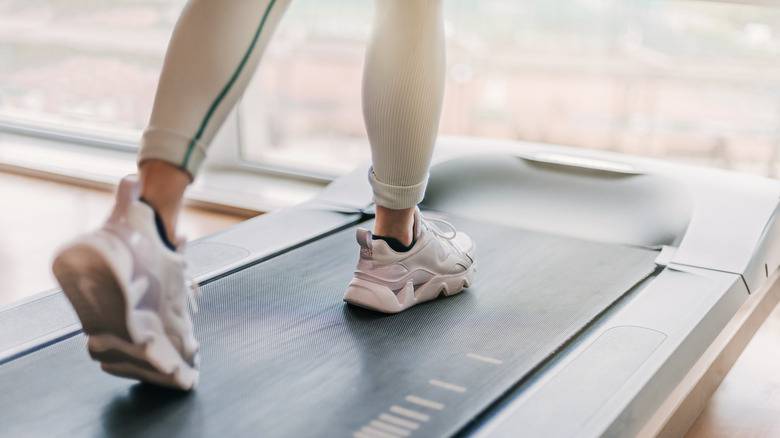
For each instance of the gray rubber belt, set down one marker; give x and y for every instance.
(282, 355)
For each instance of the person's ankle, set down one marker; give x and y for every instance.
(162, 187)
(394, 244)
(395, 224)
(164, 232)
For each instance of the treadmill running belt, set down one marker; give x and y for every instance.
(282, 355)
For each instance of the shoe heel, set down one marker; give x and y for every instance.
(89, 284)
(374, 296)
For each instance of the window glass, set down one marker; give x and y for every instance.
(689, 81)
(87, 65)
(302, 110)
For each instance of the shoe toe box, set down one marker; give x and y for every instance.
(465, 244)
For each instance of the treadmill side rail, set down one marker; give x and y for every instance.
(259, 238)
(613, 380)
(38, 321)
(46, 318)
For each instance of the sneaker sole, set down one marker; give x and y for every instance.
(375, 296)
(89, 282)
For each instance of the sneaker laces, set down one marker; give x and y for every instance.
(192, 286)
(193, 293)
(438, 232)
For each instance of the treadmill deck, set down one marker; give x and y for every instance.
(282, 355)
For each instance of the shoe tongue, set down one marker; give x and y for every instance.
(128, 191)
(416, 229)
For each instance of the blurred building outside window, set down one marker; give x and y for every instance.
(688, 81)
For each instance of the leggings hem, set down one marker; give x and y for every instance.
(397, 197)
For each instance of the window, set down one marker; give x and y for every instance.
(87, 66)
(691, 81)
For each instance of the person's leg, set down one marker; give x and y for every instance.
(403, 88)
(407, 260)
(162, 187)
(213, 52)
(126, 280)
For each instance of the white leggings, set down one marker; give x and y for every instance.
(217, 44)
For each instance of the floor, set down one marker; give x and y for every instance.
(38, 216)
(747, 403)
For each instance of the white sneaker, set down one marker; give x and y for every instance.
(390, 281)
(130, 293)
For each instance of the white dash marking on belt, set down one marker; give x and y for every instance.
(423, 402)
(388, 428)
(399, 421)
(374, 433)
(445, 385)
(387, 418)
(484, 359)
(408, 413)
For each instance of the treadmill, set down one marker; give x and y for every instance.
(613, 293)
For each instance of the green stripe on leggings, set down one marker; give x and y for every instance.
(228, 86)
